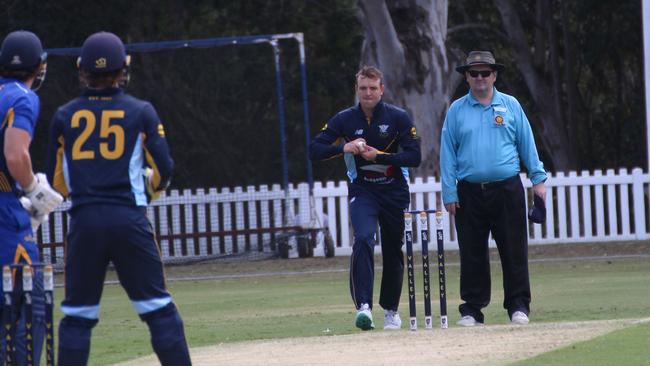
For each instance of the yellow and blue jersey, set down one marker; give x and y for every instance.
(100, 144)
(19, 108)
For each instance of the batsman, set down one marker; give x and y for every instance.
(23, 65)
(108, 153)
(379, 143)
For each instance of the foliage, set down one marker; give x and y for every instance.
(218, 104)
(606, 72)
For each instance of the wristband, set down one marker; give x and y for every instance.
(31, 185)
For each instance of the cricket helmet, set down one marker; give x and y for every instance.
(21, 50)
(102, 52)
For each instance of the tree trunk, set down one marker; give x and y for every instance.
(554, 127)
(406, 40)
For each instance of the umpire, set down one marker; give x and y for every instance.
(485, 135)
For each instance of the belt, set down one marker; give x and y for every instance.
(487, 185)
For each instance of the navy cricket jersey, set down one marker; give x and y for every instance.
(100, 144)
(390, 130)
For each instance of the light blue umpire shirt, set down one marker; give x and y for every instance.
(485, 143)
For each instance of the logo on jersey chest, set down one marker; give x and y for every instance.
(383, 130)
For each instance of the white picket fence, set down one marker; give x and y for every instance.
(585, 207)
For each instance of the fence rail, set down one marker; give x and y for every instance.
(585, 207)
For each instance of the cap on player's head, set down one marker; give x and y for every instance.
(102, 52)
(21, 50)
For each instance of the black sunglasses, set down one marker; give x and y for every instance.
(483, 73)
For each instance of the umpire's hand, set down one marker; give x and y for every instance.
(451, 207)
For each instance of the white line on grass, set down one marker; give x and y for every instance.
(338, 270)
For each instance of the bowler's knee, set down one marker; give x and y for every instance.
(364, 239)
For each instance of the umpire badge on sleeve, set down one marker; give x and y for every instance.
(498, 120)
(414, 133)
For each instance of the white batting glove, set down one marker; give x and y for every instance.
(35, 220)
(43, 197)
(148, 181)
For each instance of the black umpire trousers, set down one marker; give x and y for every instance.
(498, 208)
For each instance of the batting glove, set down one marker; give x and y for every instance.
(148, 181)
(43, 197)
(35, 220)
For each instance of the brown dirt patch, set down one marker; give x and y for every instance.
(486, 345)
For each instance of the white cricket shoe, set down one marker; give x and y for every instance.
(468, 321)
(392, 320)
(519, 317)
(363, 320)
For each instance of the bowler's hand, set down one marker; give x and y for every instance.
(451, 207)
(355, 147)
(370, 154)
(540, 190)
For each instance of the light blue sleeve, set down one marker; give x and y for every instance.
(526, 146)
(448, 158)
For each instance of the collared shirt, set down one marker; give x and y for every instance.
(485, 143)
(390, 130)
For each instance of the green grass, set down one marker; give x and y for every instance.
(282, 306)
(623, 347)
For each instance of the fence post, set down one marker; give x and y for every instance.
(638, 200)
(304, 212)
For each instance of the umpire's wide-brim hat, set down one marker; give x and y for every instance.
(479, 58)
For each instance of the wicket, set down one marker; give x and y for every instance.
(424, 240)
(14, 298)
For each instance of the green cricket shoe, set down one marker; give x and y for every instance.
(363, 320)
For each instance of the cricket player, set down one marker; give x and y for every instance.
(378, 142)
(22, 65)
(108, 153)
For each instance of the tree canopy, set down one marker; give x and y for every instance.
(576, 66)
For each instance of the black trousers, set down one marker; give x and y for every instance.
(498, 208)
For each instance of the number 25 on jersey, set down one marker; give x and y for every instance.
(82, 147)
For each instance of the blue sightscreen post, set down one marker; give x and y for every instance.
(305, 108)
(237, 40)
(283, 137)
